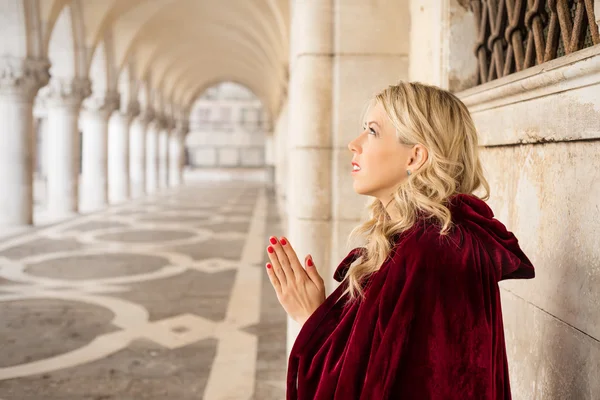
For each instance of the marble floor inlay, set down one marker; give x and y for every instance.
(161, 298)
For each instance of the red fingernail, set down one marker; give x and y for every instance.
(310, 263)
(269, 266)
(283, 242)
(270, 249)
(273, 240)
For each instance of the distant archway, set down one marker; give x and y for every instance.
(228, 127)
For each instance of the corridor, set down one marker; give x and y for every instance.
(160, 298)
(127, 272)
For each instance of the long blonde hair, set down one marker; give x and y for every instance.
(439, 121)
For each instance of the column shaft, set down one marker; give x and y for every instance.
(64, 97)
(16, 161)
(137, 156)
(20, 80)
(175, 159)
(64, 159)
(152, 158)
(309, 226)
(118, 158)
(163, 158)
(94, 174)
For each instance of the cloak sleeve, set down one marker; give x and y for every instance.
(441, 327)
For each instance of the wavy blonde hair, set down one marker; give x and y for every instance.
(440, 122)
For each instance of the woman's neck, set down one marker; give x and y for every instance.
(391, 211)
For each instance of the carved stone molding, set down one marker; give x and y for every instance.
(105, 103)
(183, 128)
(159, 120)
(68, 92)
(146, 116)
(170, 123)
(23, 77)
(133, 109)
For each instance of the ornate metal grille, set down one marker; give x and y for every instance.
(514, 35)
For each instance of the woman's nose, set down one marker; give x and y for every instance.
(352, 146)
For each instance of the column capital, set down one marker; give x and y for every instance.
(104, 104)
(133, 109)
(146, 116)
(160, 120)
(67, 91)
(182, 128)
(170, 123)
(23, 77)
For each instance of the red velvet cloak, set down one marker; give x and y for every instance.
(430, 326)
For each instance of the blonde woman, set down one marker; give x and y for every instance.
(417, 314)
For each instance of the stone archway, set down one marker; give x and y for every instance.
(228, 126)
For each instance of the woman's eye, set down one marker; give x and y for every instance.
(373, 131)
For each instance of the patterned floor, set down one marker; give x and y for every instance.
(162, 298)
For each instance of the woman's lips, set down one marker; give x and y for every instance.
(355, 167)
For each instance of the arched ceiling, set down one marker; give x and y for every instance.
(183, 46)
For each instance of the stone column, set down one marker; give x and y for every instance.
(309, 226)
(281, 159)
(383, 52)
(20, 80)
(176, 148)
(270, 158)
(118, 154)
(64, 155)
(137, 153)
(163, 155)
(152, 155)
(94, 175)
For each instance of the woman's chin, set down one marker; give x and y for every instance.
(360, 190)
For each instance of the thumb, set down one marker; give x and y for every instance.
(312, 272)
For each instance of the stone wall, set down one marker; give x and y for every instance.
(539, 131)
(541, 158)
(228, 128)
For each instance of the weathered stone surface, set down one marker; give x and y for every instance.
(35, 329)
(143, 323)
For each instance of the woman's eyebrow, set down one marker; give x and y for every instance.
(372, 122)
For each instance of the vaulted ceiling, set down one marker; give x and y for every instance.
(181, 47)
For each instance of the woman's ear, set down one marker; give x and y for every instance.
(420, 155)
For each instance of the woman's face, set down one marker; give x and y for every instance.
(379, 160)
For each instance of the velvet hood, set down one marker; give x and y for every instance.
(430, 325)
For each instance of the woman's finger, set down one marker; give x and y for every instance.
(292, 257)
(277, 268)
(273, 278)
(311, 271)
(283, 259)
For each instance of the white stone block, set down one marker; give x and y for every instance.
(310, 184)
(545, 196)
(570, 115)
(372, 27)
(311, 28)
(358, 79)
(204, 157)
(346, 204)
(310, 102)
(547, 358)
(252, 157)
(228, 157)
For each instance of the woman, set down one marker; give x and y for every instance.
(417, 315)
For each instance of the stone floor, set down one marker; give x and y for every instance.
(161, 298)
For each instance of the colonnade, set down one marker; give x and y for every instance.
(126, 151)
